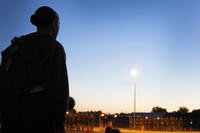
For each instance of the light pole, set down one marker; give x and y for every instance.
(134, 74)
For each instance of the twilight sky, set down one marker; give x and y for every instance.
(105, 39)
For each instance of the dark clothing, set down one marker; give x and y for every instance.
(108, 130)
(40, 111)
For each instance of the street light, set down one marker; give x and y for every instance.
(134, 74)
(102, 115)
(101, 120)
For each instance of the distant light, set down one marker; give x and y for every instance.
(158, 118)
(146, 117)
(134, 73)
(67, 112)
(102, 115)
(191, 122)
(115, 116)
(129, 116)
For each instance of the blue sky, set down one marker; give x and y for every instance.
(105, 39)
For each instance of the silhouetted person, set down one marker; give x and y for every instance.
(37, 99)
(108, 127)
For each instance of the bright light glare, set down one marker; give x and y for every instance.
(134, 73)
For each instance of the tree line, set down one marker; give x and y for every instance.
(190, 119)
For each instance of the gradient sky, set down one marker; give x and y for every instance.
(105, 39)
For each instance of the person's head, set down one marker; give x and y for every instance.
(46, 19)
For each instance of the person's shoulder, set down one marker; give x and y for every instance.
(60, 50)
(59, 45)
(17, 42)
(24, 38)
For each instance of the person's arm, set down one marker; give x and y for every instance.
(62, 87)
(58, 85)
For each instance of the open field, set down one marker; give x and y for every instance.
(101, 130)
(138, 132)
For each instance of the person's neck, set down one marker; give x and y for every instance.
(44, 31)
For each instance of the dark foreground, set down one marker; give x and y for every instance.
(101, 130)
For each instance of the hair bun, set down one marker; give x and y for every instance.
(43, 16)
(34, 20)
